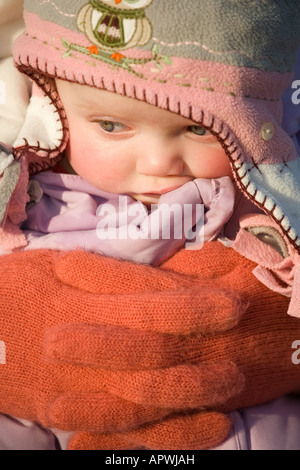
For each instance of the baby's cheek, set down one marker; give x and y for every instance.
(225, 167)
(217, 164)
(211, 165)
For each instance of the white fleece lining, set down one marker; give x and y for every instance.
(41, 128)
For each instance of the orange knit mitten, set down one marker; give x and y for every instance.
(189, 431)
(93, 343)
(260, 345)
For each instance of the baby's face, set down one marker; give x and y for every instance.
(125, 146)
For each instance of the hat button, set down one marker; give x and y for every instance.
(267, 131)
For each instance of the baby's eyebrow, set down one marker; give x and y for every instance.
(97, 109)
(89, 106)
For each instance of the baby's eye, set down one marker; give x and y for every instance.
(112, 127)
(198, 130)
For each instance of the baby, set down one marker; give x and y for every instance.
(137, 99)
(146, 115)
(167, 163)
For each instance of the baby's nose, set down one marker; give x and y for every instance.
(160, 160)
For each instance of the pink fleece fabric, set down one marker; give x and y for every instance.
(256, 94)
(278, 273)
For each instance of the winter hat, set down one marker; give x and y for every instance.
(223, 64)
(11, 24)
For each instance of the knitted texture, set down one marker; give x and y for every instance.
(264, 334)
(260, 346)
(56, 372)
(76, 389)
(62, 392)
(177, 433)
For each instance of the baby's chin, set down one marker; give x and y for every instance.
(146, 199)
